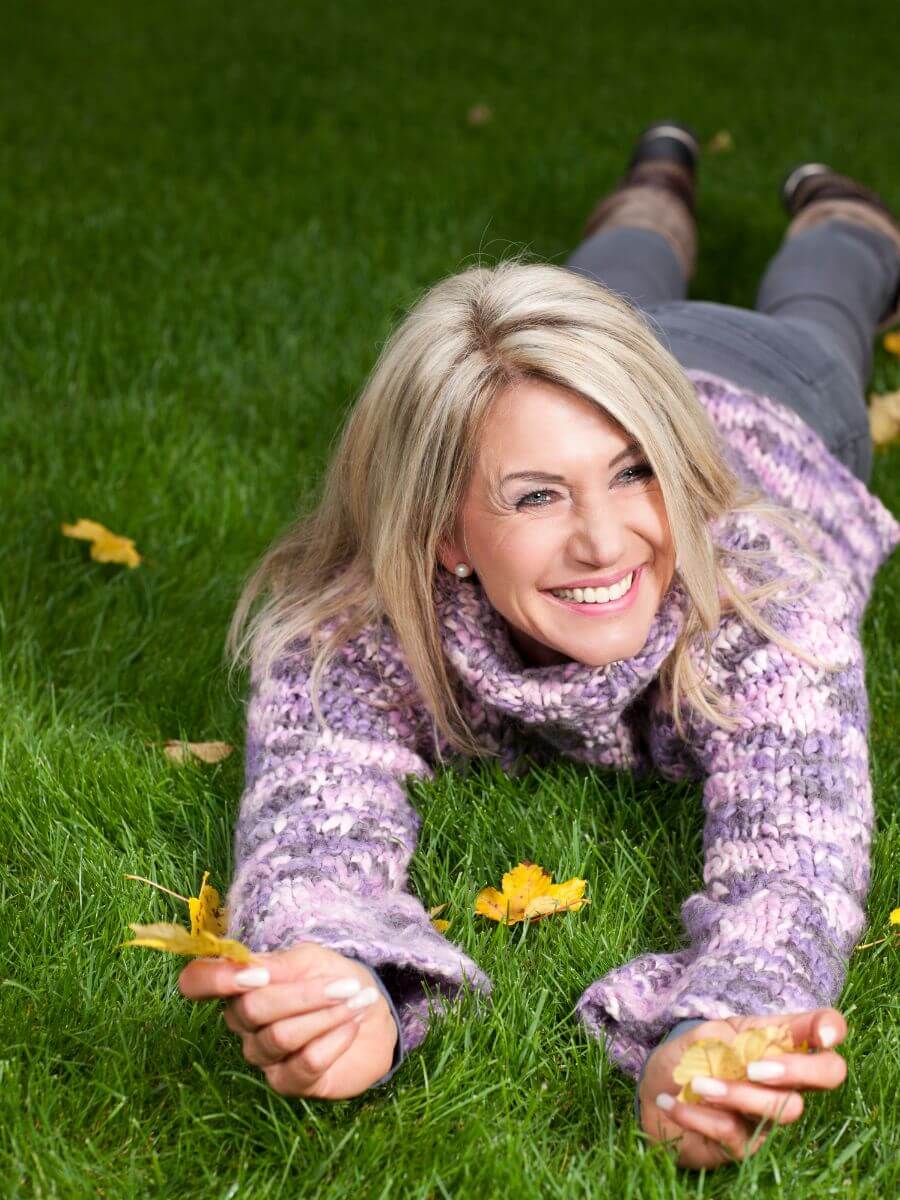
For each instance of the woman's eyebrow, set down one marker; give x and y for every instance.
(633, 447)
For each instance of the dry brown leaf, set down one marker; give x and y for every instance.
(106, 547)
(209, 752)
(479, 114)
(528, 893)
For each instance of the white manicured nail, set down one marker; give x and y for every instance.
(665, 1101)
(252, 977)
(827, 1035)
(367, 996)
(343, 987)
(762, 1071)
(705, 1085)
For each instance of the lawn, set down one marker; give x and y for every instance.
(211, 217)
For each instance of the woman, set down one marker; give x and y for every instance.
(572, 514)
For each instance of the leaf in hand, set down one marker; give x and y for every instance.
(208, 922)
(528, 893)
(728, 1060)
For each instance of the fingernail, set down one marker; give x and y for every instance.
(343, 987)
(762, 1071)
(705, 1085)
(252, 977)
(665, 1101)
(367, 996)
(828, 1035)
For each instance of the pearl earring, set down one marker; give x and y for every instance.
(462, 570)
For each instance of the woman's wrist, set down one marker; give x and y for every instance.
(399, 1048)
(675, 1031)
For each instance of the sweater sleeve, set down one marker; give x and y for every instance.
(788, 822)
(326, 831)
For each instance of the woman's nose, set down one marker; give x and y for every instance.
(598, 538)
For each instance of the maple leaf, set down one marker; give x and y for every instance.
(209, 752)
(106, 547)
(528, 893)
(208, 922)
(440, 926)
(728, 1060)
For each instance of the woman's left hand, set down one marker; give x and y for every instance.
(722, 1129)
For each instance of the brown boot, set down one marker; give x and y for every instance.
(812, 193)
(657, 191)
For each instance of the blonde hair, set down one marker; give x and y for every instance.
(369, 549)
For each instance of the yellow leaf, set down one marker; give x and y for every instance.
(528, 893)
(106, 546)
(207, 913)
(891, 342)
(433, 912)
(884, 417)
(895, 916)
(210, 752)
(728, 1060)
(720, 142)
(441, 926)
(177, 940)
(209, 920)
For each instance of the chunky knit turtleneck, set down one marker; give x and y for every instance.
(326, 830)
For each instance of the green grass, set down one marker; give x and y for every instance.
(211, 216)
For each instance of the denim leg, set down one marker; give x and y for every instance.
(834, 282)
(638, 263)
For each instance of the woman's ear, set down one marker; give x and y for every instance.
(449, 555)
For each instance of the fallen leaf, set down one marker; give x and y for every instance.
(884, 417)
(728, 1060)
(106, 547)
(479, 114)
(210, 752)
(528, 893)
(441, 926)
(895, 916)
(891, 342)
(720, 142)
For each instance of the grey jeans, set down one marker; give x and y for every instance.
(808, 341)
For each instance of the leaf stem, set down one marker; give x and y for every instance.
(142, 879)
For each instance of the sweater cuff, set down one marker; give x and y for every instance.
(399, 1047)
(688, 1023)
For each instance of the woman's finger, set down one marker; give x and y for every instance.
(283, 1038)
(297, 1074)
(255, 1009)
(213, 978)
(820, 1027)
(826, 1069)
(774, 1104)
(726, 1129)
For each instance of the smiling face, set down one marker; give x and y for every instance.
(575, 501)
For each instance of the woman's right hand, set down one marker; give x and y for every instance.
(304, 1042)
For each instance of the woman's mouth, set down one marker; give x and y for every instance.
(588, 606)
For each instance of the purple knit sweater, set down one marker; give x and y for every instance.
(326, 830)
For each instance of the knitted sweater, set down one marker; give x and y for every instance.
(326, 830)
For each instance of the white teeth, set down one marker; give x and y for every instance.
(595, 595)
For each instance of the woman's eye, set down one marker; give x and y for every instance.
(527, 501)
(641, 471)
